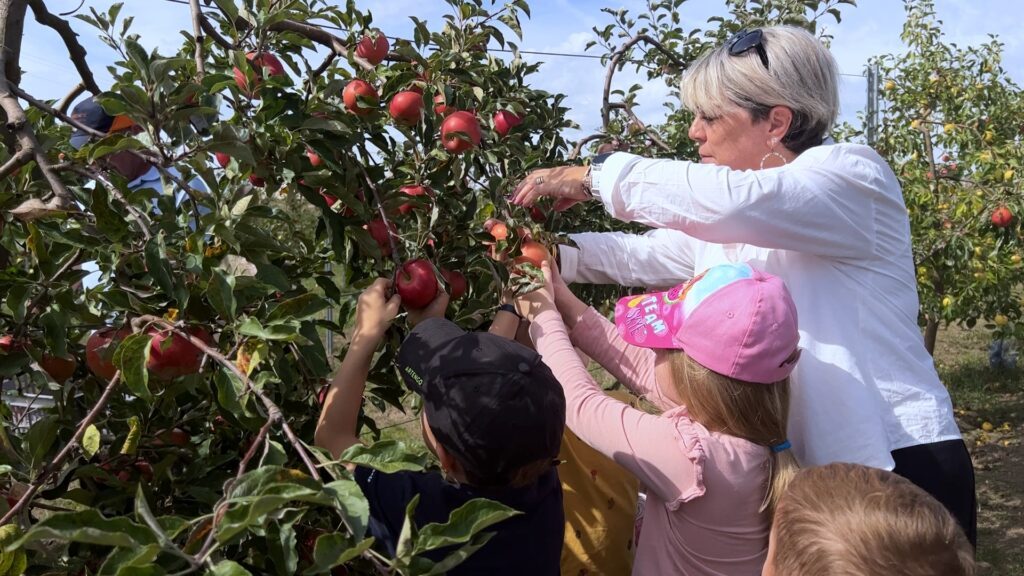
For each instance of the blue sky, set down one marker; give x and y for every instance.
(557, 26)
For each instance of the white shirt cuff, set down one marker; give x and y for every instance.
(568, 260)
(604, 180)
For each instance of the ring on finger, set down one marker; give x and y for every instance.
(538, 180)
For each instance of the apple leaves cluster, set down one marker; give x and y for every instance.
(167, 407)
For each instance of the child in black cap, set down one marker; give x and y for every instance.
(493, 414)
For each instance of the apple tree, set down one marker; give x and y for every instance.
(950, 127)
(157, 421)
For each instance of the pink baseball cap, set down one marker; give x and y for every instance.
(732, 319)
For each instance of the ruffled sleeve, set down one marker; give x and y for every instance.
(665, 452)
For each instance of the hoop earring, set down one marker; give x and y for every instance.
(771, 153)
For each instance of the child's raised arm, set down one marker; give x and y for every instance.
(337, 428)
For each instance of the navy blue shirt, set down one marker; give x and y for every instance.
(529, 543)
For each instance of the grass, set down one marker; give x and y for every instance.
(990, 410)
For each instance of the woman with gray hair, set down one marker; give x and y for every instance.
(828, 218)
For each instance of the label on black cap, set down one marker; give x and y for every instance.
(412, 373)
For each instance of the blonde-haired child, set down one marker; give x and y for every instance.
(715, 355)
(852, 520)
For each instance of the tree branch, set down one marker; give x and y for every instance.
(20, 158)
(214, 35)
(650, 132)
(197, 31)
(75, 50)
(316, 34)
(17, 124)
(583, 142)
(134, 212)
(273, 410)
(56, 113)
(66, 101)
(63, 455)
(613, 63)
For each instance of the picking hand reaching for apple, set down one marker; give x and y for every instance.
(555, 295)
(565, 184)
(436, 309)
(375, 311)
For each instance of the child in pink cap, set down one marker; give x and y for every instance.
(714, 355)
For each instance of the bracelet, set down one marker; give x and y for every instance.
(510, 309)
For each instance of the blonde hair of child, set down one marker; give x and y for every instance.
(852, 520)
(758, 413)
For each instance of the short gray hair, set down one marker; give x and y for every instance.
(802, 76)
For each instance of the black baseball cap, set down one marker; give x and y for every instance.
(490, 401)
(89, 113)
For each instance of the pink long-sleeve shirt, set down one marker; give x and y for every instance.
(703, 488)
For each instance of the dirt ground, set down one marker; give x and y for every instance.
(990, 410)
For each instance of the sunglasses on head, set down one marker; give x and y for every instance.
(746, 40)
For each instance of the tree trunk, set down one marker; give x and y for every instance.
(931, 332)
(12, 27)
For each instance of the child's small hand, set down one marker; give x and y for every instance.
(436, 309)
(531, 304)
(375, 310)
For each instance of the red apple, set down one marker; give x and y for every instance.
(144, 468)
(373, 50)
(416, 283)
(222, 159)
(505, 121)
(538, 215)
(406, 107)
(329, 198)
(412, 190)
(259, 62)
(321, 395)
(175, 437)
(380, 232)
(533, 252)
(99, 351)
(1002, 217)
(7, 343)
(457, 284)
(314, 158)
(60, 369)
(498, 230)
(357, 89)
(171, 355)
(257, 181)
(440, 105)
(460, 132)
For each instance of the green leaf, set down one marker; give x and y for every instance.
(351, 503)
(87, 527)
(464, 522)
(220, 293)
(388, 456)
(55, 331)
(40, 438)
(335, 549)
(91, 441)
(228, 568)
(133, 561)
(131, 358)
(158, 265)
(298, 308)
(284, 332)
(459, 556)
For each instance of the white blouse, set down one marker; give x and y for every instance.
(832, 224)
